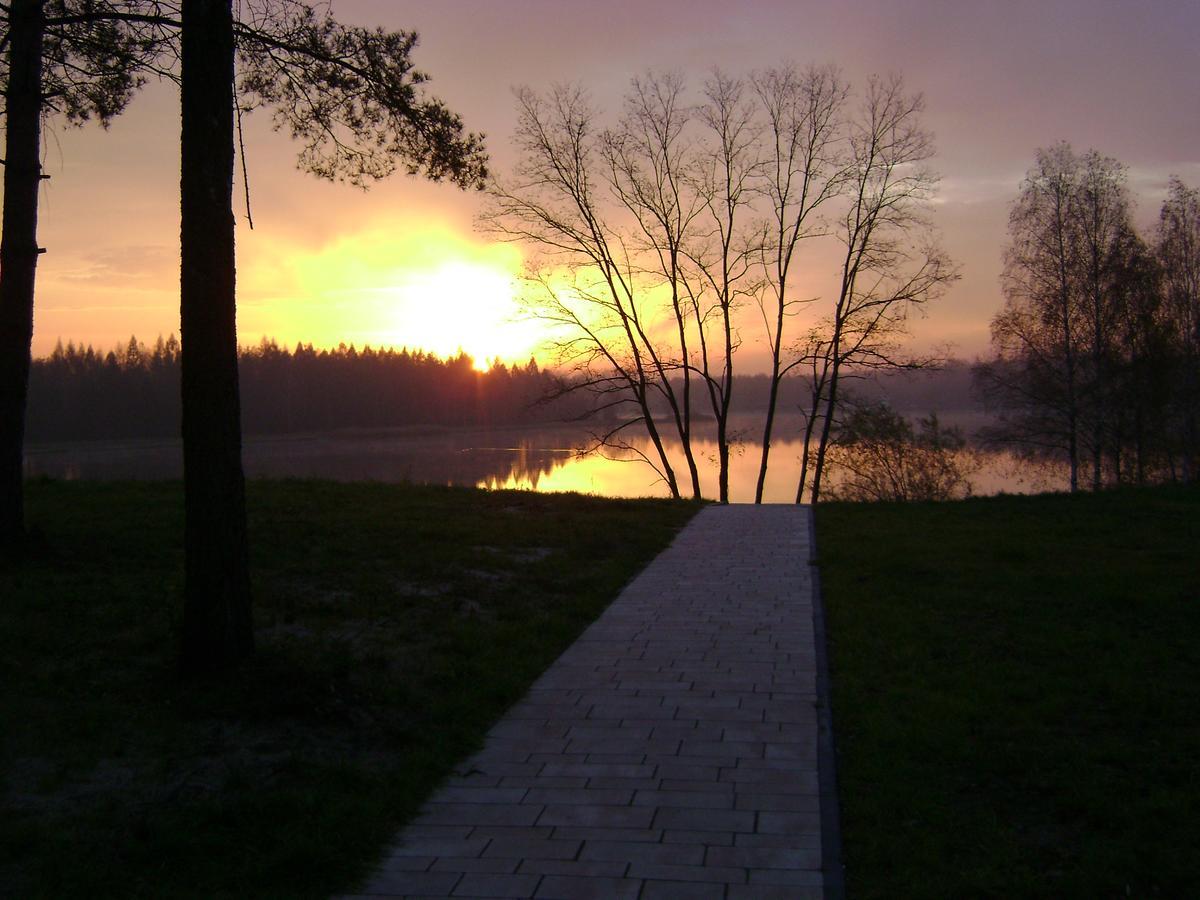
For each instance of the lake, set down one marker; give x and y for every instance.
(538, 459)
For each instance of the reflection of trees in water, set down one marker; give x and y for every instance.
(524, 466)
(492, 459)
(454, 458)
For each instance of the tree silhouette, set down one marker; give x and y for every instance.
(83, 59)
(1093, 345)
(217, 626)
(351, 96)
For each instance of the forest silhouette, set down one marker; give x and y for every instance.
(79, 393)
(132, 391)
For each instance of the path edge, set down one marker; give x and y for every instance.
(831, 819)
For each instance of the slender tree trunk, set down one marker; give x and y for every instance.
(18, 254)
(660, 448)
(818, 388)
(682, 412)
(217, 629)
(723, 413)
(826, 427)
(1072, 402)
(773, 398)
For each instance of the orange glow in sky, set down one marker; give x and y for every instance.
(430, 287)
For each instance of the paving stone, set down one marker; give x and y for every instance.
(649, 835)
(600, 816)
(458, 794)
(403, 884)
(533, 848)
(480, 864)
(569, 888)
(793, 877)
(434, 847)
(670, 752)
(579, 868)
(777, 802)
(774, 892)
(607, 731)
(789, 822)
(737, 749)
(479, 885)
(662, 872)
(614, 759)
(764, 857)
(629, 851)
(579, 796)
(513, 832)
(676, 784)
(543, 781)
(686, 769)
(703, 819)
(675, 890)
(477, 814)
(442, 831)
(685, 798)
(703, 838)
(809, 839)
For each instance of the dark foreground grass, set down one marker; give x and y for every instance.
(394, 624)
(1017, 694)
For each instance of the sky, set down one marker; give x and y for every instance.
(404, 264)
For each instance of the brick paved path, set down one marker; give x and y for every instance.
(672, 751)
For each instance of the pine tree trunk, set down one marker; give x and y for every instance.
(217, 629)
(18, 254)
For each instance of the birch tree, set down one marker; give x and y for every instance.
(891, 264)
(1177, 246)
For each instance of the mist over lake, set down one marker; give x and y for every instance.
(538, 458)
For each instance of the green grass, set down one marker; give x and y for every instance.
(394, 624)
(1016, 694)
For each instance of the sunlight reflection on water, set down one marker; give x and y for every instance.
(539, 459)
(624, 474)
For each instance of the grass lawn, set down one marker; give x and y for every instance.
(1016, 694)
(394, 624)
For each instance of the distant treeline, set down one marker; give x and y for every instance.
(133, 391)
(947, 389)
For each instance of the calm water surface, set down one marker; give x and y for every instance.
(540, 459)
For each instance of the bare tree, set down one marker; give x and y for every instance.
(724, 257)
(645, 250)
(890, 264)
(657, 235)
(649, 157)
(803, 169)
(589, 283)
(1103, 225)
(1080, 341)
(1177, 247)
(1035, 380)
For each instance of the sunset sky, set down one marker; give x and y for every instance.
(402, 264)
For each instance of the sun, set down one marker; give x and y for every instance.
(463, 305)
(427, 287)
